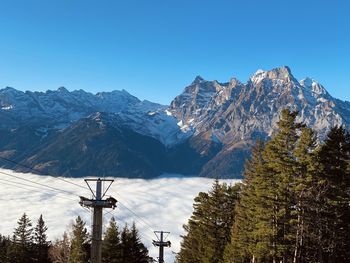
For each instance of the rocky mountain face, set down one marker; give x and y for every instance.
(207, 130)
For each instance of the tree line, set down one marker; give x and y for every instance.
(30, 244)
(293, 204)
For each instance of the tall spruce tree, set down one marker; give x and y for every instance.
(79, 242)
(21, 250)
(5, 243)
(304, 185)
(41, 245)
(208, 229)
(280, 163)
(133, 251)
(333, 210)
(271, 216)
(247, 243)
(111, 246)
(138, 251)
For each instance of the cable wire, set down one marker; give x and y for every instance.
(39, 172)
(60, 190)
(15, 184)
(33, 182)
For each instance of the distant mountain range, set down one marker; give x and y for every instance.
(206, 131)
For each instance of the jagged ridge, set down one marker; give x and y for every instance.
(207, 130)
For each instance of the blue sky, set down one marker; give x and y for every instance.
(154, 48)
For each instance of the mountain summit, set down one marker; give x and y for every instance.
(207, 130)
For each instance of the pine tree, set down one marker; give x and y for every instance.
(247, 243)
(125, 244)
(40, 241)
(138, 251)
(208, 229)
(79, 242)
(270, 215)
(304, 185)
(5, 244)
(333, 211)
(133, 251)
(111, 246)
(280, 163)
(21, 250)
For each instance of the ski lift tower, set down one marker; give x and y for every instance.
(98, 203)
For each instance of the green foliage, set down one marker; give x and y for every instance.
(294, 199)
(5, 243)
(21, 249)
(132, 249)
(208, 229)
(333, 198)
(30, 245)
(111, 246)
(41, 245)
(79, 242)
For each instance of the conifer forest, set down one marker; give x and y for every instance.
(30, 244)
(293, 206)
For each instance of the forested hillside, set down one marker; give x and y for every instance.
(292, 206)
(30, 244)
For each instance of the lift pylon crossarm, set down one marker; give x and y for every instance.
(163, 244)
(99, 180)
(108, 203)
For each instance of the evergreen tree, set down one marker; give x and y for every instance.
(133, 251)
(21, 250)
(304, 186)
(111, 246)
(247, 243)
(208, 230)
(138, 251)
(125, 244)
(333, 210)
(5, 243)
(271, 215)
(40, 241)
(280, 163)
(79, 242)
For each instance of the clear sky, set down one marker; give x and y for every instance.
(154, 48)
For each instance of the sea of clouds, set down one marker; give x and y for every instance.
(164, 204)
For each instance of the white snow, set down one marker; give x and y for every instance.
(168, 113)
(258, 76)
(9, 107)
(164, 204)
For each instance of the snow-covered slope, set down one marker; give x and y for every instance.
(207, 130)
(60, 108)
(238, 111)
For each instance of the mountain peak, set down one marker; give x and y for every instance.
(198, 80)
(314, 86)
(283, 73)
(62, 89)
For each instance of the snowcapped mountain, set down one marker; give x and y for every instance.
(237, 111)
(207, 130)
(60, 108)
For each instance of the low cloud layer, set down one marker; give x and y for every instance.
(160, 204)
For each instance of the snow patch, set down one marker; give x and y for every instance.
(9, 107)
